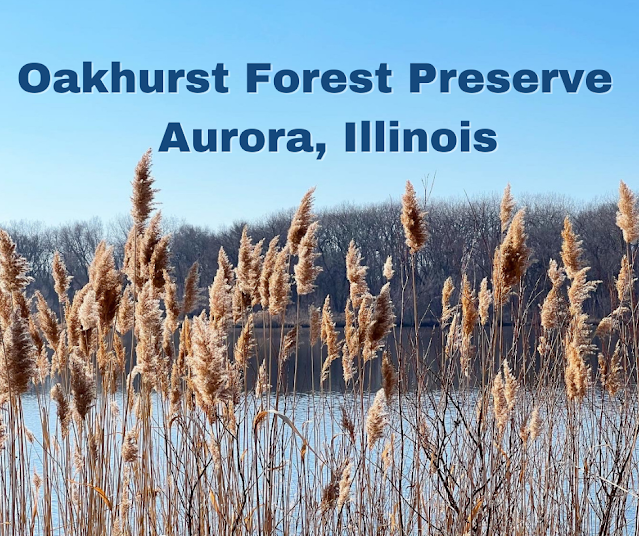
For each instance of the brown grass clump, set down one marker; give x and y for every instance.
(447, 292)
(280, 284)
(267, 270)
(625, 280)
(628, 214)
(61, 278)
(305, 270)
(506, 209)
(19, 359)
(82, 385)
(511, 259)
(143, 193)
(300, 223)
(356, 275)
(329, 337)
(220, 293)
(552, 310)
(376, 419)
(485, 299)
(381, 323)
(388, 270)
(13, 267)
(469, 320)
(413, 220)
(191, 289)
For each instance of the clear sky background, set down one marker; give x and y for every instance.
(71, 156)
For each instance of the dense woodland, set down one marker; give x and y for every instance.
(463, 235)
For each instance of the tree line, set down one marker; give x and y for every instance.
(463, 235)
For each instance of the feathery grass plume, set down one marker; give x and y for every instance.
(345, 485)
(447, 292)
(552, 309)
(241, 303)
(143, 193)
(453, 338)
(356, 275)
(72, 313)
(364, 318)
(578, 337)
(389, 376)
(220, 293)
(191, 289)
(126, 312)
(105, 280)
(388, 269)
(13, 266)
(506, 208)
(129, 263)
(59, 359)
(577, 373)
(288, 344)
(348, 365)
(245, 344)
(628, 214)
(43, 367)
(159, 262)
(171, 305)
(34, 333)
(388, 453)
(610, 372)
(257, 260)
(412, 219)
(485, 299)
(381, 323)
(330, 493)
(267, 270)
(184, 348)
(376, 419)
(351, 342)
(208, 364)
(82, 385)
(500, 406)
(21, 304)
(580, 290)
(571, 249)
(511, 387)
(48, 322)
(279, 284)
(61, 278)
(89, 312)
(130, 448)
(244, 270)
(512, 260)
(301, 222)
(261, 383)
(6, 308)
(469, 320)
(625, 280)
(18, 365)
(63, 408)
(534, 425)
(315, 323)
(175, 391)
(305, 270)
(148, 330)
(329, 337)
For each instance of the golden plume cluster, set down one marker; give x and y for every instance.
(628, 214)
(413, 220)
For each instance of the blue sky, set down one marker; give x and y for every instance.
(71, 156)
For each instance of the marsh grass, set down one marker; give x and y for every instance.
(158, 414)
